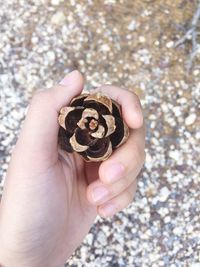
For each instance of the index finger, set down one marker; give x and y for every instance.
(130, 104)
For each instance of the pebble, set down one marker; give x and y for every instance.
(190, 119)
(175, 154)
(170, 44)
(196, 72)
(132, 25)
(142, 39)
(105, 48)
(164, 194)
(55, 2)
(58, 18)
(51, 56)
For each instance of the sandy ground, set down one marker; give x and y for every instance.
(131, 44)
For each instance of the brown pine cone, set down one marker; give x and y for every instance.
(92, 125)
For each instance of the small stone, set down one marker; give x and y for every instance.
(170, 44)
(178, 230)
(51, 56)
(101, 238)
(58, 18)
(163, 211)
(2, 128)
(142, 39)
(34, 40)
(19, 22)
(196, 72)
(132, 26)
(198, 135)
(167, 219)
(164, 194)
(190, 119)
(175, 154)
(105, 48)
(55, 2)
(177, 111)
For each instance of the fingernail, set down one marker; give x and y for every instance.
(69, 78)
(108, 210)
(99, 193)
(114, 172)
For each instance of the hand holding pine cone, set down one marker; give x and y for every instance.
(92, 125)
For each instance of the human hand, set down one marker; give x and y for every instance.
(51, 198)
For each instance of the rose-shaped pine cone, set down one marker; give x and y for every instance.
(92, 125)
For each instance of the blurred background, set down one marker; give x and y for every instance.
(151, 47)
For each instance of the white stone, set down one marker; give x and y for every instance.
(148, 158)
(90, 239)
(102, 238)
(58, 18)
(170, 44)
(132, 26)
(142, 39)
(152, 117)
(182, 100)
(167, 219)
(190, 119)
(163, 211)
(105, 48)
(2, 128)
(51, 56)
(55, 2)
(177, 111)
(19, 22)
(198, 135)
(196, 72)
(155, 141)
(175, 154)
(178, 231)
(164, 107)
(164, 194)
(34, 39)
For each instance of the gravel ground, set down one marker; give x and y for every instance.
(130, 44)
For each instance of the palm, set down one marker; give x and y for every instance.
(55, 205)
(73, 213)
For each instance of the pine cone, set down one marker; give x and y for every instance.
(92, 126)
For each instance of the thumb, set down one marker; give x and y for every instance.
(38, 139)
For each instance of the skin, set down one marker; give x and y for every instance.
(51, 198)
